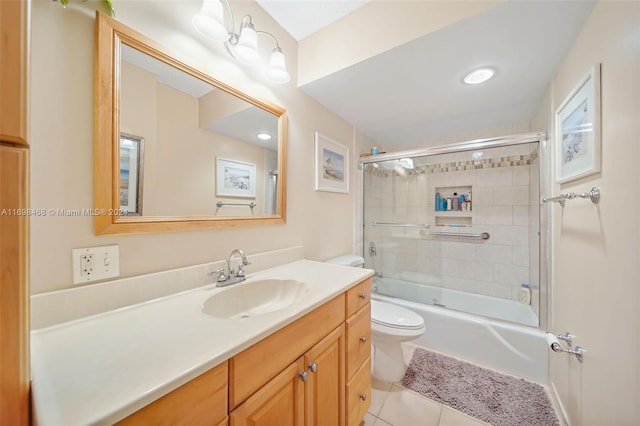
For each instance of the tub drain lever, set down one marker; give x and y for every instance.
(567, 337)
(578, 352)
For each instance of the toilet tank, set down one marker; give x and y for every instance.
(348, 260)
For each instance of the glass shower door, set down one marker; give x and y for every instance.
(459, 229)
(396, 221)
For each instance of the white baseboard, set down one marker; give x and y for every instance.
(555, 400)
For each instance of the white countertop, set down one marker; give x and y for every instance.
(100, 369)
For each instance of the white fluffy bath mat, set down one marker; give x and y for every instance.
(495, 398)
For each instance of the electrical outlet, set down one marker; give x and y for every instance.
(95, 263)
(86, 265)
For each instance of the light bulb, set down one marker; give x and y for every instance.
(277, 71)
(264, 136)
(247, 48)
(210, 21)
(479, 76)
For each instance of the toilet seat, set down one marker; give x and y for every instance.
(394, 316)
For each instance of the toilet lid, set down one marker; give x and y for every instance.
(395, 316)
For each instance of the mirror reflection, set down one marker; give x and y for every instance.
(189, 148)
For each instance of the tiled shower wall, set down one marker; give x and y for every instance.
(505, 204)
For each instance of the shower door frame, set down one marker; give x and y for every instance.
(544, 230)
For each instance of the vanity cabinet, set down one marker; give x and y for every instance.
(14, 220)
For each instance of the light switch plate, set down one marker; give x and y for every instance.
(95, 263)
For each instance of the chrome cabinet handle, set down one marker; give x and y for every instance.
(363, 339)
(303, 376)
(363, 296)
(313, 367)
(363, 396)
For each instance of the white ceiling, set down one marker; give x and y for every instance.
(301, 18)
(415, 91)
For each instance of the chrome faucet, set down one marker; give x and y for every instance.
(245, 262)
(232, 277)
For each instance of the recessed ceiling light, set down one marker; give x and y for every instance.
(264, 136)
(479, 76)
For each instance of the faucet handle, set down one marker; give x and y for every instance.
(221, 275)
(241, 272)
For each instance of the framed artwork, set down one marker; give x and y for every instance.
(332, 165)
(235, 178)
(578, 130)
(131, 173)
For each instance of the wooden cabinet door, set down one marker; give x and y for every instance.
(325, 388)
(14, 288)
(13, 71)
(279, 402)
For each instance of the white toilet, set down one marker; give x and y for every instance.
(390, 326)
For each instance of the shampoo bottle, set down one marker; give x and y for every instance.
(455, 202)
(449, 203)
(438, 202)
(525, 294)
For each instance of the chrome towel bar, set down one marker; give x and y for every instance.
(480, 236)
(593, 195)
(251, 205)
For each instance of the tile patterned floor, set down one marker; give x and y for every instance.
(393, 405)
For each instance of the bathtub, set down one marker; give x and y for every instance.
(504, 346)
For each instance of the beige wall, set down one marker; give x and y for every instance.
(61, 109)
(595, 291)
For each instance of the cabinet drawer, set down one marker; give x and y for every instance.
(201, 401)
(358, 296)
(359, 394)
(255, 366)
(358, 339)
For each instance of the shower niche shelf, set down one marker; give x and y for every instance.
(454, 217)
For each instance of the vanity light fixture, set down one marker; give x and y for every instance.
(479, 76)
(264, 136)
(243, 45)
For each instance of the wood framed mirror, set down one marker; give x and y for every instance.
(175, 149)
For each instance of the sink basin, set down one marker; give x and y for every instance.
(254, 298)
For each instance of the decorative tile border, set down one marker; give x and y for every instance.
(456, 166)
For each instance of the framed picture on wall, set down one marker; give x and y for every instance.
(235, 178)
(578, 130)
(332, 165)
(131, 172)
